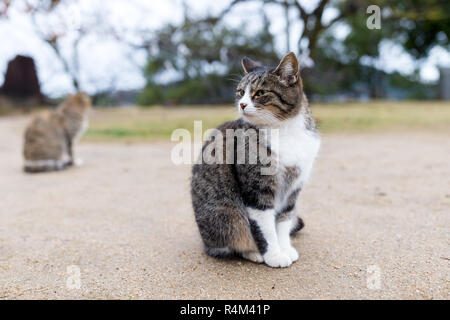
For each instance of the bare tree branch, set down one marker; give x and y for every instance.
(312, 22)
(5, 6)
(53, 39)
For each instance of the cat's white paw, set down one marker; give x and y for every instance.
(291, 252)
(78, 162)
(277, 260)
(253, 256)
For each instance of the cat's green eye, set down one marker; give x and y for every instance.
(260, 93)
(241, 92)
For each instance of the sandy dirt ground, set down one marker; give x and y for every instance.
(377, 214)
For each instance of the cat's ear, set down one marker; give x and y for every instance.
(249, 65)
(287, 70)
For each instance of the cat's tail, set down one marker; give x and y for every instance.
(37, 166)
(297, 225)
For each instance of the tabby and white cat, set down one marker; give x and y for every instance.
(238, 210)
(49, 139)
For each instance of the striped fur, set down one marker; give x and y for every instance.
(239, 210)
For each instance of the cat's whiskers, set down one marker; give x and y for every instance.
(271, 118)
(234, 77)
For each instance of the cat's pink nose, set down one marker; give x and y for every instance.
(243, 105)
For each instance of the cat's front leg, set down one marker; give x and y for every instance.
(69, 151)
(76, 161)
(284, 228)
(265, 233)
(284, 225)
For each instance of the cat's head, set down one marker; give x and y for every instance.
(268, 96)
(79, 102)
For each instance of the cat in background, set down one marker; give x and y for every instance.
(50, 138)
(238, 210)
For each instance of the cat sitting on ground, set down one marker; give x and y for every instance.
(239, 210)
(49, 139)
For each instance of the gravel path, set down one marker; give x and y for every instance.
(377, 214)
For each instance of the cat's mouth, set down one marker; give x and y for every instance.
(250, 113)
(251, 117)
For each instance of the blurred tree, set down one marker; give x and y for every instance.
(4, 6)
(201, 56)
(418, 25)
(195, 59)
(55, 21)
(52, 36)
(349, 64)
(313, 21)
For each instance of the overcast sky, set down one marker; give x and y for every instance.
(106, 63)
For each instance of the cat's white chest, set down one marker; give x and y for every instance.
(296, 147)
(82, 130)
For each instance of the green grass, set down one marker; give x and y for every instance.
(383, 116)
(158, 123)
(135, 124)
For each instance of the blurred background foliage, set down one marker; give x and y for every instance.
(208, 53)
(207, 58)
(197, 60)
